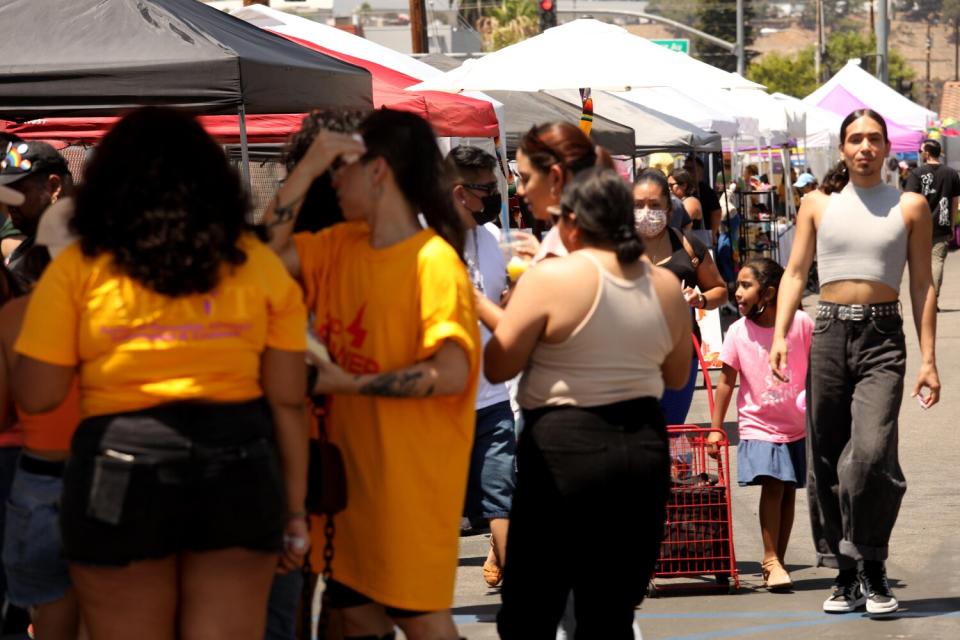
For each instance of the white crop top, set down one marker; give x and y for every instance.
(862, 236)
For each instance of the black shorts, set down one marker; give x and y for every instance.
(176, 478)
(340, 596)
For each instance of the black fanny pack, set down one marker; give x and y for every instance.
(177, 442)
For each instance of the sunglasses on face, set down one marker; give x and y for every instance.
(488, 188)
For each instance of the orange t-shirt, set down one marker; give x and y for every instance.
(52, 431)
(380, 310)
(136, 348)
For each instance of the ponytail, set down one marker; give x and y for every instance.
(603, 203)
(836, 179)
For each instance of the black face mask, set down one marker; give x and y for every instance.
(490, 211)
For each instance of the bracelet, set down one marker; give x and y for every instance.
(703, 300)
(293, 515)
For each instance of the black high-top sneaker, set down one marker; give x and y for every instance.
(847, 593)
(876, 588)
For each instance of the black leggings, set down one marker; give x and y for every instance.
(587, 516)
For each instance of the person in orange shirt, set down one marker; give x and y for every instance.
(186, 481)
(37, 575)
(395, 307)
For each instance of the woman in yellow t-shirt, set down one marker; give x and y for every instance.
(393, 303)
(187, 336)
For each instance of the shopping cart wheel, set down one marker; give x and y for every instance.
(723, 579)
(652, 590)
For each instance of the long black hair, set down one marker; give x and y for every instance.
(603, 204)
(161, 198)
(408, 145)
(838, 177)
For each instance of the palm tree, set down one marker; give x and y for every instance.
(511, 22)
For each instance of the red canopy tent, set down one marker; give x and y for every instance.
(449, 114)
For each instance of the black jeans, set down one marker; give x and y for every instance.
(855, 484)
(587, 516)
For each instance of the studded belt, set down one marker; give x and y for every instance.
(857, 312)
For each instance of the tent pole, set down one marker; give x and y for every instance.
(244, 148)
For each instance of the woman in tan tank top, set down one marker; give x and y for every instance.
(594, 450)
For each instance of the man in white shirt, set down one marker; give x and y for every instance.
(476, 197)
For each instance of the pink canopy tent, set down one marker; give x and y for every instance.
(842, 102)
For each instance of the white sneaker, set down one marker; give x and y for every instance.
(876, 588)
(847, 596)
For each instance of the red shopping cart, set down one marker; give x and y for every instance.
(698, 533)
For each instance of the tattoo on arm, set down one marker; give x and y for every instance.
(283, 213)
(397, 384)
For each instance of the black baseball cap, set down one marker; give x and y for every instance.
(27, 157)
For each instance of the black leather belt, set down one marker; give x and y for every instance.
(857, 312)
(40, 467)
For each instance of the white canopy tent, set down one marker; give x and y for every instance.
(654, 131)
(583, 53)
(680, 105)
(823, 134)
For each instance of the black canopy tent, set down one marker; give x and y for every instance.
(101, 57)
(524, 110)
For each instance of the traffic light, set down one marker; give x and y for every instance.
(548, 14)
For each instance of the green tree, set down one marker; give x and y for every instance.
(793, 74)
(719, 18)
(509, 23)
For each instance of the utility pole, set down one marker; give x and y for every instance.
(929, 49)
(818, 52)
(883, 31)
(956, 48)
(741, 54)
(418, 27)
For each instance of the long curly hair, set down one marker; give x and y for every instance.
(161, 198)
(320, 208)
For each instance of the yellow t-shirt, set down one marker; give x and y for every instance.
(406, 459)
(136, 348)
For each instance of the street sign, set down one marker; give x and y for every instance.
(680, 45)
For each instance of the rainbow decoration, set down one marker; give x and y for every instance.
(14, 157)
(586, 117)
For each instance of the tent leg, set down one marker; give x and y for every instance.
(244, 148)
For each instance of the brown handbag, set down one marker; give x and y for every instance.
(326, 474)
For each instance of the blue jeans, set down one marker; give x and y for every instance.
(676, 403)
(492, 464)
(8, 467)
(282, 606)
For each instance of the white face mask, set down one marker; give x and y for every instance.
(650, 222)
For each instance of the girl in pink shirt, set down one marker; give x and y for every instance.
(771, 413)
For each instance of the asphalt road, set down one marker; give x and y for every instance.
(924, 566)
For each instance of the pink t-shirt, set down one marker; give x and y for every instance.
(767, 407)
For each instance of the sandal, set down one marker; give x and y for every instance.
(492, 573)
(775, 577)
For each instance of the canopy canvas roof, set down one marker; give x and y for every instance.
(117, 55)
(523, 110)
(583, 53)
(853, 88)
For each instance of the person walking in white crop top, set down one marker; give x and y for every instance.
(598, 334)
(864, 233)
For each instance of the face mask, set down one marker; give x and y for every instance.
(650, 222)
(490, 211)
